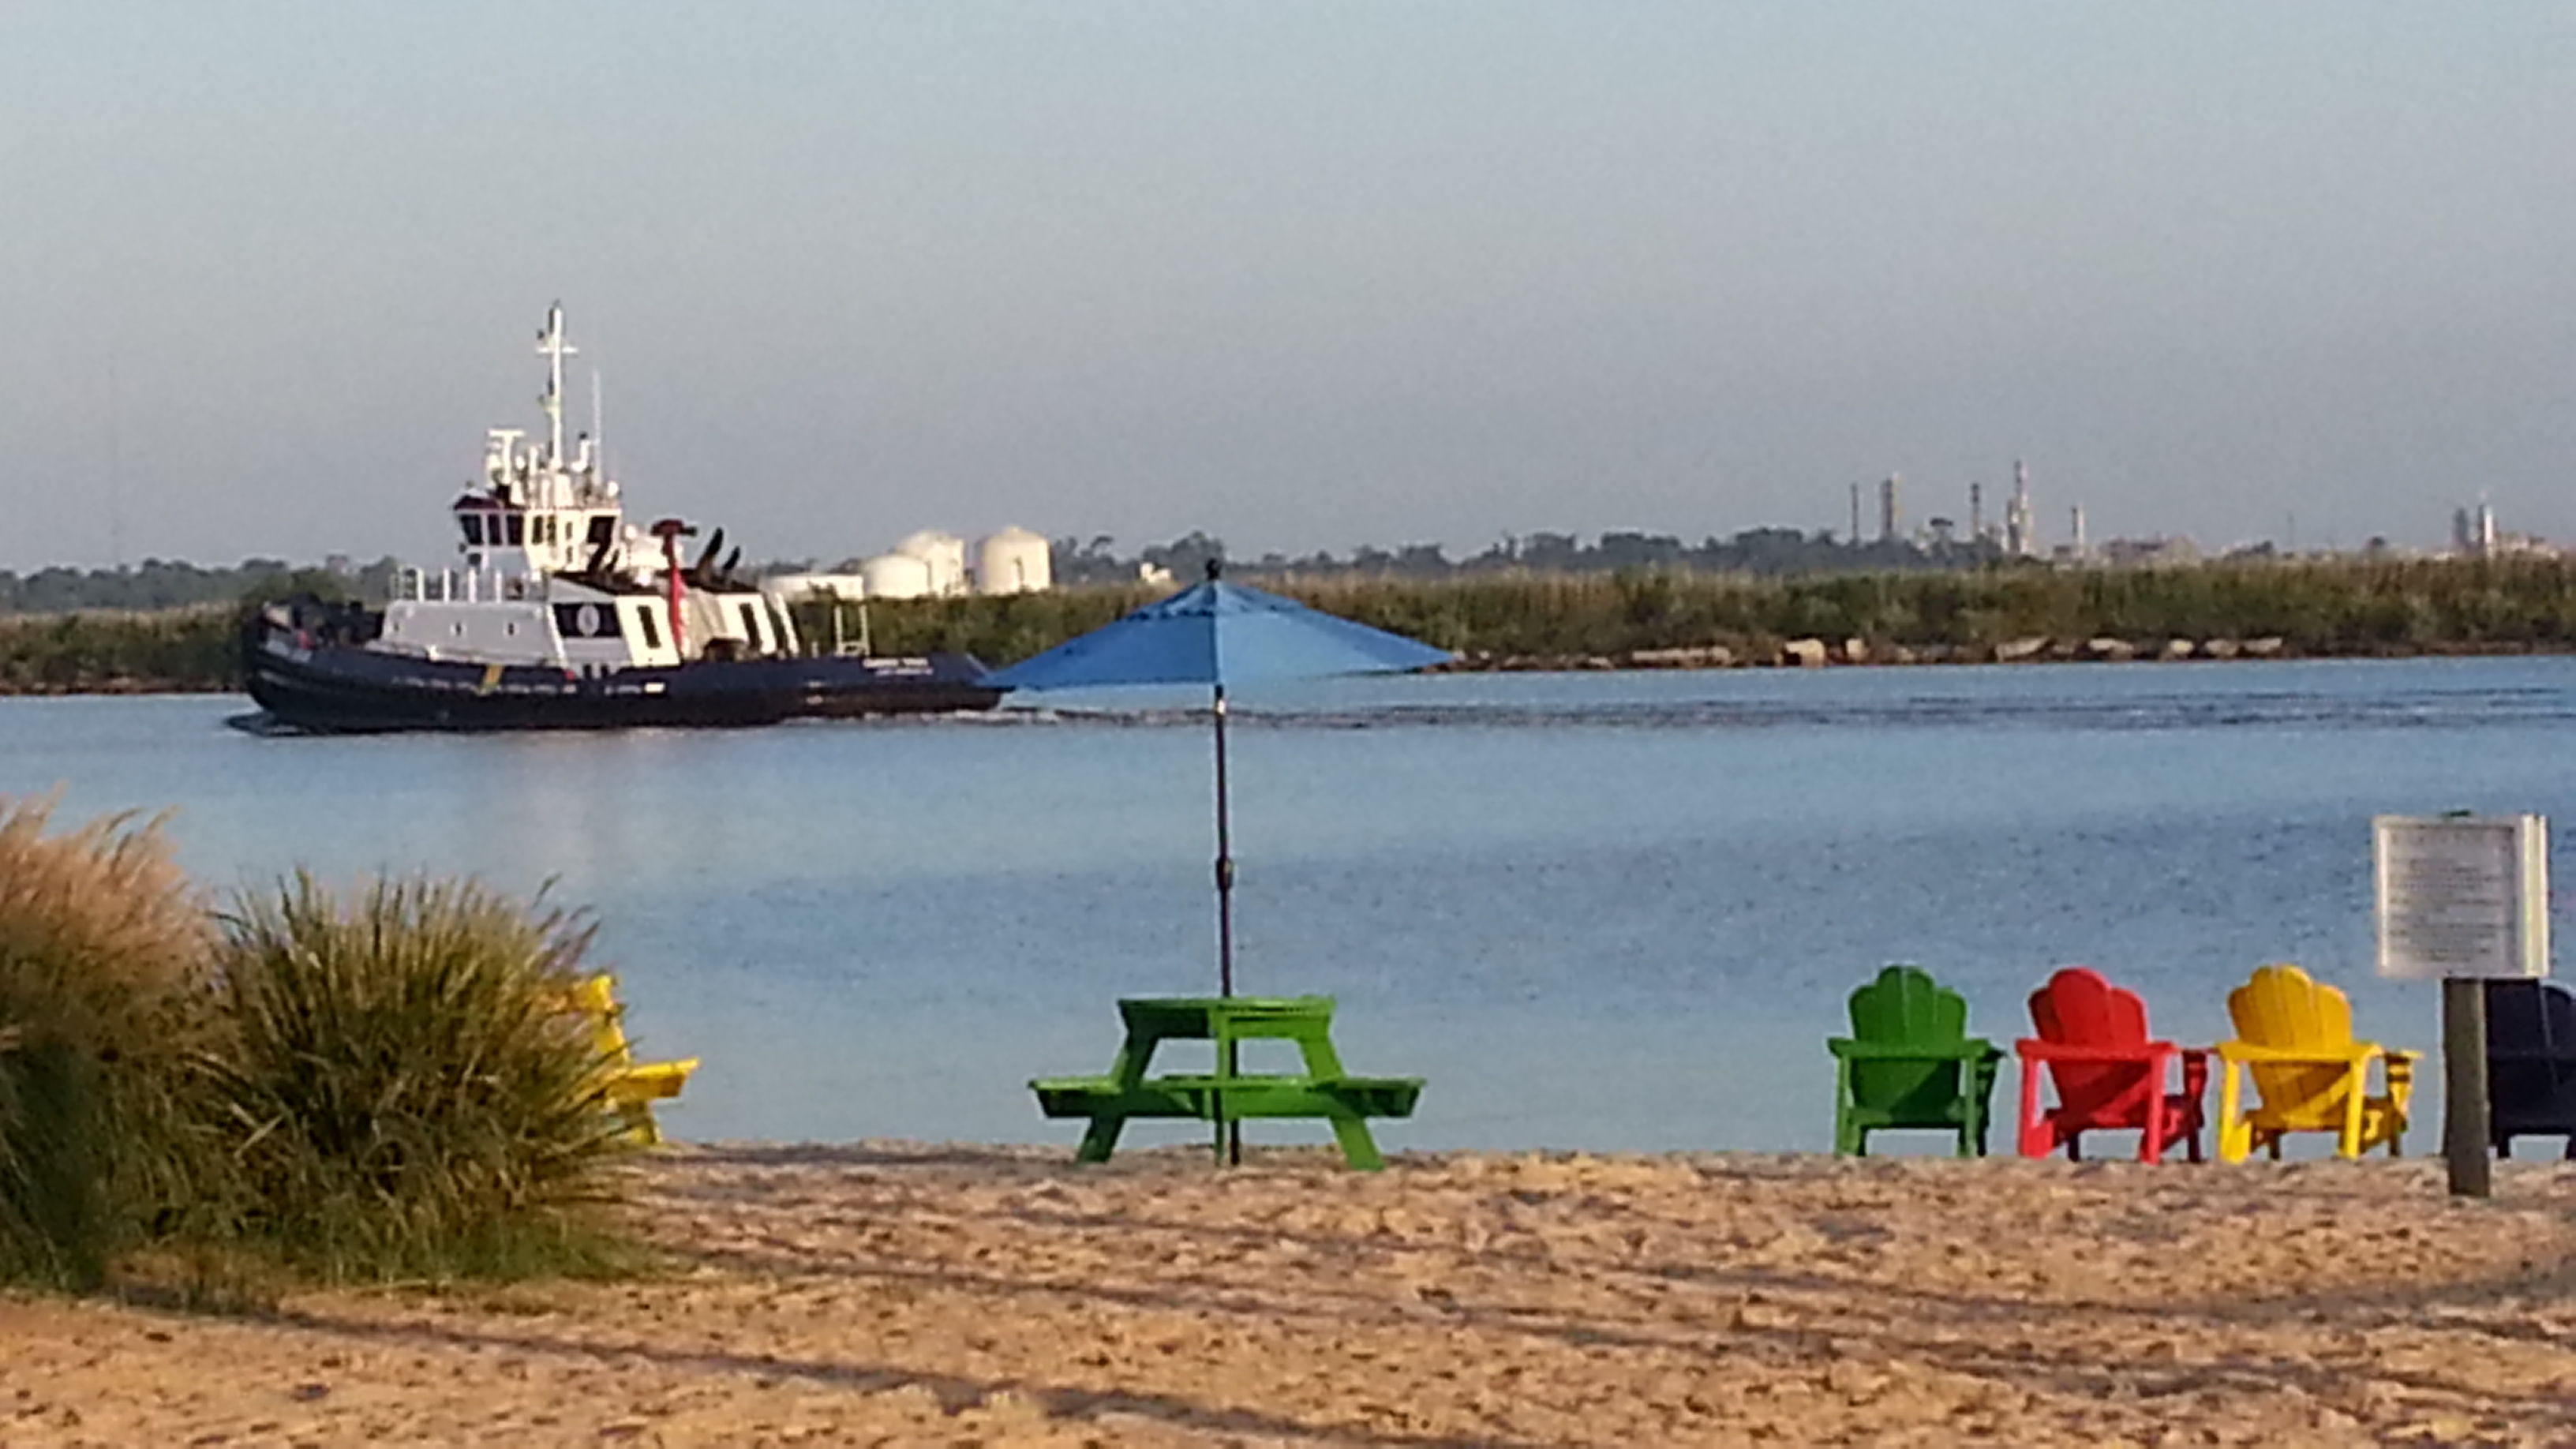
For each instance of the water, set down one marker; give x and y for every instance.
(1612, 911)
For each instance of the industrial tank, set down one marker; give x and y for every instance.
(895, 576)
(796, 588)
(945, 553)
(1013, 561)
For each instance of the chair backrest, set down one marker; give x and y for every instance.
(596, 999)
(2078, 1008)
(2534, 1024)
(2284, 1008)
(1904, 1006)
(2530, 1016)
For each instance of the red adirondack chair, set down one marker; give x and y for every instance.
(2109, 1075)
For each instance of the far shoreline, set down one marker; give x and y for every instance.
(1791, 655)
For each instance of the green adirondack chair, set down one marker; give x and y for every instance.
(1910, 1063)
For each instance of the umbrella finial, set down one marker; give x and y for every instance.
(1215, 566)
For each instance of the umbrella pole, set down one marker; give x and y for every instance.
(1224, 863)
(1229, 1134)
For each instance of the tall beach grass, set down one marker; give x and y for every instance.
(409, 1094)
(387, 1082)
(106, 1021)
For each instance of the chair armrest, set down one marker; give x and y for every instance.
(2048, 1051)
(2252, 1055)
(1972, 1050)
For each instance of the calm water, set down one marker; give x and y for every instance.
(1607, 911)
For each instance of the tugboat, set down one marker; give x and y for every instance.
(562, 615)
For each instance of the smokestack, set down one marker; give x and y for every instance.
(1976, 512)
(1853, 538)
(1889, 517)
(2020, 539)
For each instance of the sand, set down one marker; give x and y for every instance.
(909, 1294)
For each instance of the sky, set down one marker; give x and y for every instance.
(1301, 276)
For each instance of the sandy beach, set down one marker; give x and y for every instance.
(892, 1293)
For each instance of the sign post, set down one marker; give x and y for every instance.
(2463, 900)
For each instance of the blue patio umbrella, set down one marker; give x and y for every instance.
(1220, 634)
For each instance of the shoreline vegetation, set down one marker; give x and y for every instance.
(208, 1096)
(1636, 619)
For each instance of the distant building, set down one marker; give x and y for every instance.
(2150, 552)
(2474, 534)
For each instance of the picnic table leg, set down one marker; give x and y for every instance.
(1229, 1133)
(1100, 1138)
(1359, 1145)
(1359, 1148)
(1135, 1054)
(1315, 1044)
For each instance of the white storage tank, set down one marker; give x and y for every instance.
(945, 553)
(796, 588)
(1013, 561)
(895, 576)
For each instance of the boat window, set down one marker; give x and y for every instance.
(518, 528)
(603, 527)
(473, 527)
(751, 624)
(644, 619)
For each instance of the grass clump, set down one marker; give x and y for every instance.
(409, 1096)
(106, 1021)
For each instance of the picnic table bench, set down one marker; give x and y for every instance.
(1228, 1094)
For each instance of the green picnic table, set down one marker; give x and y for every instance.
(1228, 1094)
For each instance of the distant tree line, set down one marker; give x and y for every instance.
(157, 584)
(1770, 552)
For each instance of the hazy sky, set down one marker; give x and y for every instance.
(1299, 275)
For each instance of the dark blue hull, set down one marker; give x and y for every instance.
(343, 689)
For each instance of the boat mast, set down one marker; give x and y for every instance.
(552, 347)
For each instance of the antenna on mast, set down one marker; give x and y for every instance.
(552, 347)
(598, 427)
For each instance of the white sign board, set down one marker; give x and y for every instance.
(2462, 897)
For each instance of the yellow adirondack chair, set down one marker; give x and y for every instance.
(632, 1086)
(2294, 1037)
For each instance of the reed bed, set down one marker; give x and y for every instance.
(2340, 607)
(170, 650)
